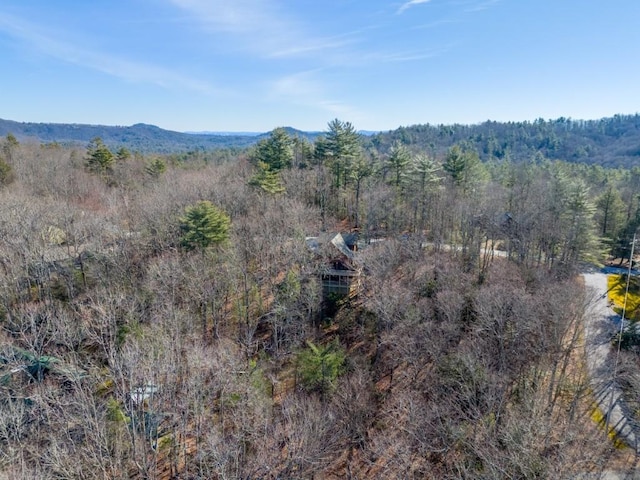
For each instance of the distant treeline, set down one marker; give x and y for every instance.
(140, 137)
(610, 142)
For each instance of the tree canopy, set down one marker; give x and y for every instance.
(319, 366)
(338, 148)
(100, 159)
(398, 161)
(464, 167)
(266, 179)
(275, 151)
(203, 225)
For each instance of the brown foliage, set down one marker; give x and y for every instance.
(449, 373)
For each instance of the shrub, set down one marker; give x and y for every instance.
(320, 366)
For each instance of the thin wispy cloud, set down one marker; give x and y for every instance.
(297, 85)
(410, 4)
(46, 43)
(436, 23)
(402, 56)
(307, 89)
(341, 110)
(263, 29)
(239, 16)
(483, 5)
(344, 49)
(315, 46)
(257, 26)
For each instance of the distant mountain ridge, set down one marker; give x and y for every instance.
(225, 134)
(140, 137)
(609, 142)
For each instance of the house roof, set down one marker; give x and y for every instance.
(337, 241)
(341, 245)
(351, 239)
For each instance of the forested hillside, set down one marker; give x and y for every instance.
(609, 142)
(174, 317)
(136, 138)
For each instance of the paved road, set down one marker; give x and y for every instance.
(601, 323)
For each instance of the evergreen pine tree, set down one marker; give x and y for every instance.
(203, 225)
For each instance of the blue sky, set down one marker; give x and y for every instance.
(252, 65)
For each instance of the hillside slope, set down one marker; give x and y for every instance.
(611, 142)
(139, 137)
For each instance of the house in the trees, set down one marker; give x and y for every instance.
(339, 270)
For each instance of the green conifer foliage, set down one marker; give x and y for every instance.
(267, 179)
(203, 225)
(100, 159)
(276, 151)
(156, 167)
(320, 366)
